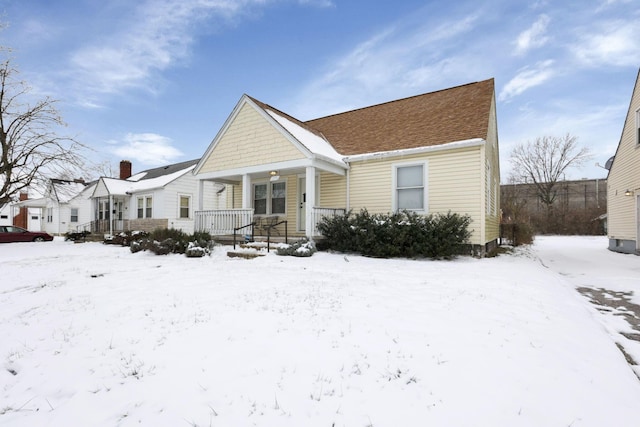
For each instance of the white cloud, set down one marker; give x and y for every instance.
(526, 79)
(610, 44)
(148, 148)
(533, 37)
(392, 62)
(158, 35)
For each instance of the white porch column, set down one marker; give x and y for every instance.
(246, 191)
(111, 214)
(311, 200)
(200, 194)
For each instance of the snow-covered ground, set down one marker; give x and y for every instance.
(92, 335)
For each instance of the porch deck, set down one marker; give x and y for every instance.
(241, 222)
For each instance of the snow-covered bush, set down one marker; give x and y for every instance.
(167, 241)
(126, 238)
(301, 248)
(400, 234)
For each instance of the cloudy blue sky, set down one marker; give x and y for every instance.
(153, 80)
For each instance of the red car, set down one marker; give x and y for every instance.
(11, 233)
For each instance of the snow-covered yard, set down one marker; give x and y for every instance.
(92, 335)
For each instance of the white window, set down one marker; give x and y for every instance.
(270, 198)
(145, 207)
(278, 197)
(185, 206)
(49, 214)
(74, 214)
(409, 187)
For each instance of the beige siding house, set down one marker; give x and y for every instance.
(430, 153)
(623, 202)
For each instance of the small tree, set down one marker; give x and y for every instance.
(544, 161)
(32, 151)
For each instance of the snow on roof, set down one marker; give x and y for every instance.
(137, 177)
(121, 187)
(314, 143)
(66, 190)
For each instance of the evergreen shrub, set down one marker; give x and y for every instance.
(400, 234)
(163, 241)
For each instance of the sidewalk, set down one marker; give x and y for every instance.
(609, 281)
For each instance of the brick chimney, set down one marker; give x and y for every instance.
(125, 169)
(21, 219)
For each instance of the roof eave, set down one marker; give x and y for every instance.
(418, 150)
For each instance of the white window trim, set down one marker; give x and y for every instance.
(188, 196)
(77, 215)
(144, 198)
(269, 208)
(425, 184)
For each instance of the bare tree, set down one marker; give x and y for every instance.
(544, 161)
(32, 150)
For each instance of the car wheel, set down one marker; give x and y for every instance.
(38, 239)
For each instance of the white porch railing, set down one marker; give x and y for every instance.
(318, 213)
(222, 221)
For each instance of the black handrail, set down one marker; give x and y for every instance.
(269, 233)
(252, 225)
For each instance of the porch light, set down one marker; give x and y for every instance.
(274, 176)
(628, 193)
(273, 173)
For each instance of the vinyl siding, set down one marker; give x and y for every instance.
(249, 140)
(454, 183)
(333, 191)
(168, 203)
(625, 174)
(491, 152)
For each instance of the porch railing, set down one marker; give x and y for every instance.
(222, 221)
(318, 213)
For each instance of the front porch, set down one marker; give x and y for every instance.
(244, 222)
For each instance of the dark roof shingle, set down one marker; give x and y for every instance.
(435, 118)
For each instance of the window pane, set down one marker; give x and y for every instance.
(412, 198)
(74, 214)
(279, 190)
(149, 207)
(184, 207)
(260, 207)
(260, 191)
(278, 197)
(410, 176)
(277, 206)
(140, 208)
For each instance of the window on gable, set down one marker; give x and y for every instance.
(185, 202)
(74, 214)
(410, 188)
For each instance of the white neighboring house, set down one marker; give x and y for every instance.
(66, 205)
(5, 214)
(164, 197)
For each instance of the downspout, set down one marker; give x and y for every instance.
(348, 189)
